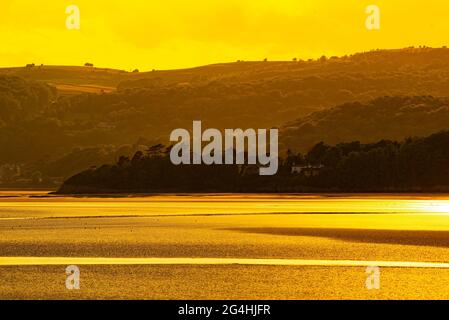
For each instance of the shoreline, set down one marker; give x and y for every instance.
(45, 194)
(124, 193)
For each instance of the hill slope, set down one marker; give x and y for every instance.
(382, 118)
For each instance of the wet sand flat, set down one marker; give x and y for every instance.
(406, 235)
(221, 282)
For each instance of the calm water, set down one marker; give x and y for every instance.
(40, 201)
(428, 212)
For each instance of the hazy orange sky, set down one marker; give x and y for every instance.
(169, 34)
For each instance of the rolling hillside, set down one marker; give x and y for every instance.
(334, 99)
(393, 118)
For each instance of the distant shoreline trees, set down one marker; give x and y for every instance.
(413, 165)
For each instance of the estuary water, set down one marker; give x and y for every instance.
(216, 240)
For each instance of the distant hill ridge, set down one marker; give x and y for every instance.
(378, 60)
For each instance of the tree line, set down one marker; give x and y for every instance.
(411, 165)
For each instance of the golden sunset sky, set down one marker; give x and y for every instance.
(148, 34)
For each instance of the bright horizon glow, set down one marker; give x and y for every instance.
(177, 34)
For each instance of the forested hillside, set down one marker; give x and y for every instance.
(382, 118)
(21, 99)
(383, 94)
